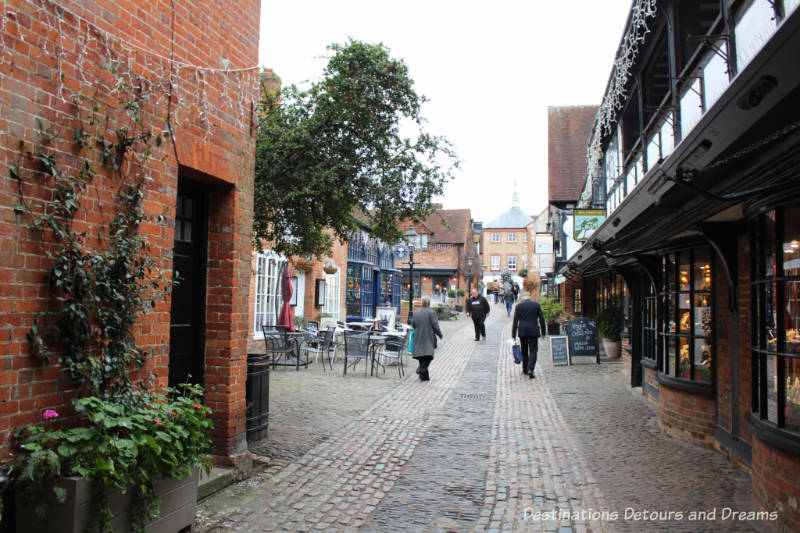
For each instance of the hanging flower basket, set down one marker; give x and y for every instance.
(330, 267)
(303, 264)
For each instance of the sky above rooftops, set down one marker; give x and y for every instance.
(489, 71)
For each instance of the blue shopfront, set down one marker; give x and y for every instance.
(372, 279)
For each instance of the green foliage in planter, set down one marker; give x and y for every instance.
(551, 308)
(124, 447)
(451, 293)
(610, 320)
(300, 322)
(523, 273)
(461, 293)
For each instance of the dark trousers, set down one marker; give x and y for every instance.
(422, 370)
(480, 327)
(530, 350)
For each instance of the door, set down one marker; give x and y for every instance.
(187, 316)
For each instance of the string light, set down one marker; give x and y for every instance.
(613, 100)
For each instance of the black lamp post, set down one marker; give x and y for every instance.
(469, 275)
(410, 237)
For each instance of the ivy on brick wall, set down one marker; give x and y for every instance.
(103, 276)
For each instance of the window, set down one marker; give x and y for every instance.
(776, 318)
(353, 292)
(512, 237)
(332, 301)
(420, 242)
(577, 301)
(650, 323)
(512, 262)
(268, 290)
(495, 262)
(687, 322)
(495, 237)
(525, 237)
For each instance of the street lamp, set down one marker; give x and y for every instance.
(410, 238)
(469, 275)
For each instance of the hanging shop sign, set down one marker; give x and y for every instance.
(546, 263)
(543, 243)
(586, 222)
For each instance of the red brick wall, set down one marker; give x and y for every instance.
(649, 377)
(775, 476)
(51, 55)
(686, 415)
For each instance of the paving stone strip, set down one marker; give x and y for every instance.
(536, 471)
(339, 483)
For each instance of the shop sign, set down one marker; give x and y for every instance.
(543, 243)
(586, 222)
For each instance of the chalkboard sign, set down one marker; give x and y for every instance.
(559, 350)
(582, 333)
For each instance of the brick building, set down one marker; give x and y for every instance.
(73, 70)
(507, 242)
(445, 255)
(695, 153)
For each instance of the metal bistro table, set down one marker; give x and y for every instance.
(295, 338)
(377, 340)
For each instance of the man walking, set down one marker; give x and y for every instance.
(477, 308)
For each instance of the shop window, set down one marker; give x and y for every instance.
(353, 292)
(577, 299)
(776, 318)
(686, 328)
(268, 290)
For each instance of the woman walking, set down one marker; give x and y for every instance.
(528, 318)
(426, 325)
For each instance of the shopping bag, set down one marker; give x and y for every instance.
(517, 352)
(411, 342)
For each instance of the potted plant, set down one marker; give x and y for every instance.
(609, 326)
(118, 462)
(552, 310)
(459, 294)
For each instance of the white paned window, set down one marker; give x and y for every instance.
(332, 300)
(495, 237)
(495, 262)
(667, 137)
(754, 27)
(691, 108)
(268, 290)
(512, 237)
(715, 75)
(512, 262)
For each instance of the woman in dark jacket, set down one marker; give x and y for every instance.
(426, 325)
(529, 322)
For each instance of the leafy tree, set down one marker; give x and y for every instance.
(334, 153)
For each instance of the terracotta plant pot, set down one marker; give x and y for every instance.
(178, 506)
(302, 264)
(612, 348)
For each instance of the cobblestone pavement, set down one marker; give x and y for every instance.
(478, 448)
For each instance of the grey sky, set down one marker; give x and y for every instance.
(489, 69)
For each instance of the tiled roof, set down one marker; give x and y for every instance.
(568, 132)
(450, 225)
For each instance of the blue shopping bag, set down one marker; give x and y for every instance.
(517, 352)
(411, 342)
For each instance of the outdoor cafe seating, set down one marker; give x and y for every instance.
(322, 344)
(283, 346)
(393, 350)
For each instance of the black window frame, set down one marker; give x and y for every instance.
(774, 430)
(650, 324)
(666, 293)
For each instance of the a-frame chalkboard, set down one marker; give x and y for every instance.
(583, 342)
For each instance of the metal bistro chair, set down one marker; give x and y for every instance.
(394, 349)
(313, 325)
(356, 348)
(321, 344)
(280, 347)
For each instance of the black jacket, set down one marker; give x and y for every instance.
(528, 317)
(477, 307)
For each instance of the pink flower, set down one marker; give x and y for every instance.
(170, 411)
(158, 421)
(198, 406)
(49, 413)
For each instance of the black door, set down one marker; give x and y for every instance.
(187, 322)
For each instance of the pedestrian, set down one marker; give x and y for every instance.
(477, 308)
(426, 325)
(496, 291)
(515, 290)
(529, 323)
(508, 297)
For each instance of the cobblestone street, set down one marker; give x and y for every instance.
(478, 448)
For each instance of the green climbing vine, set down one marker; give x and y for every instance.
(100, 282)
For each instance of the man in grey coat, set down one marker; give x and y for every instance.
(426, 325)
